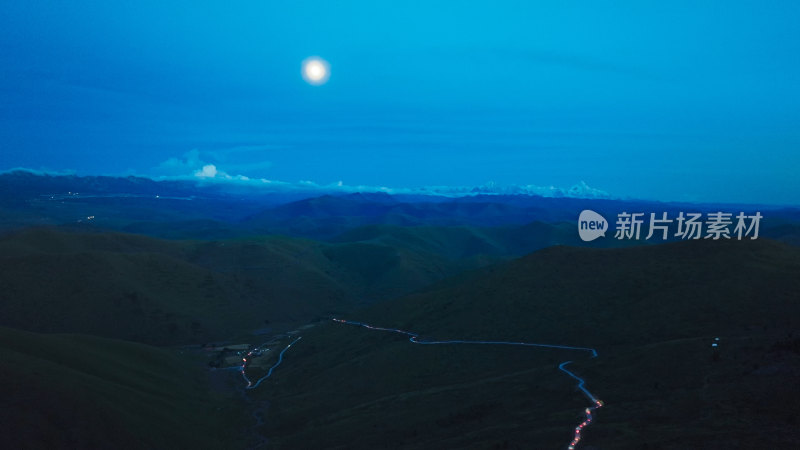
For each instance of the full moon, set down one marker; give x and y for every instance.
(315, 70)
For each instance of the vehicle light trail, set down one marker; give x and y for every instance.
(597, 404)
(250, 384)
(414, 338)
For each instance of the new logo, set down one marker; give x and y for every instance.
(591, 225)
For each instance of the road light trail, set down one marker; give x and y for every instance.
(250, 384)
(597, 404)
(414, 338)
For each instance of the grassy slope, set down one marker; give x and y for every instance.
(155, 291)
(149, 290)
(130, 287)
(76, 391)
(667, 291)
(458, 242)
(651, 312)
(372, 249)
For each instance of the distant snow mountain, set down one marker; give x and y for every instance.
(580, 190)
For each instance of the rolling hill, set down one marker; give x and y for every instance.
(77, 391)
(651, 312)
(463, 242)
(141, 289)
(166, 292)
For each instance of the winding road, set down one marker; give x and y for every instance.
(588, 411)
(250, 384)
(596, 403)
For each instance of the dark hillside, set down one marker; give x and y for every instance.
(651, 312)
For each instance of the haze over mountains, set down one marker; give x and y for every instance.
(185, 209)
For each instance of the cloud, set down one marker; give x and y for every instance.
(208, 171)
(205, 167)
(245, 161)
(242, 158)
(189, 162)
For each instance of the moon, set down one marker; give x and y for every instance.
(315, 70)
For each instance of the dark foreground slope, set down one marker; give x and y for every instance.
(613, 296)
(160, 292)
(180, 291)
(165, 292)
(651, 312)
(73, 391)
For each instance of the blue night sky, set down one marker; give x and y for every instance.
(665, 100)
